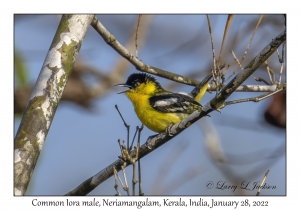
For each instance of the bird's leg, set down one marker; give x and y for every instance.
(168, 130)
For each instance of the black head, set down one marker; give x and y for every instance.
(134, 80)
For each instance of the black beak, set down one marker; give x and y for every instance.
(123, 85)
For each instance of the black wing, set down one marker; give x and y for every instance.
(174, 103)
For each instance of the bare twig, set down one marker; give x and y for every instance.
(133, 161)
(262, 183)
(249, 44)
(254, 99)
(134, 181)
(139, 161)
(136, 36)
(116, 181)
(125, 187)
(137, 129)
(120, 180)
(213, 50)
(245, 53)
(271, 73)
(281, 60)
(125, 124)
(236, 60)
(227, 26)
(140, 179)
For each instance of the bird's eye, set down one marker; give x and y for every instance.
(136, 83)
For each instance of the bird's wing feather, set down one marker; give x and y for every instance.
(174, 103)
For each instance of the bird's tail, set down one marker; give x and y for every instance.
(199, 91)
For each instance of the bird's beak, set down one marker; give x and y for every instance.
(123, 85)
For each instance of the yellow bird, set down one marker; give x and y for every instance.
(157, 108)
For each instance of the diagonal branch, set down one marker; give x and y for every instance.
(46, 96)
(156, 141)
(111, 40)
(218, 101)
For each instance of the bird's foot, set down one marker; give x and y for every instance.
(168, 130)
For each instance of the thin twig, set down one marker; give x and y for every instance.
(281, 60)
(126, 188)
(120, 180)
(139, 161)
(282, 53)
(262, 183)
(254, 99)
(137, 128)
(213, 49)
(140, 179)
(280, 74)
(215, 74)
(136, 36)
(134, 181)
(269, 72)
(236, 60)
(116, 182)
(125, 124)
(227, 26)
(247, 49)
(249, 44)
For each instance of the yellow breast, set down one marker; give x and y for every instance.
(154, 120)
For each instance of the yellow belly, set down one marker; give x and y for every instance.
(157, 121)
(154, 120)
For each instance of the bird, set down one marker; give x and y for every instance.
(158, 108)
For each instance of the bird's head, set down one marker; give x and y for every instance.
(141, 83)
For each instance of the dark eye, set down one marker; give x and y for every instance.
(136, 83)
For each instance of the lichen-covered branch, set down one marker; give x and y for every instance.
(154, 142)
(45, 97)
